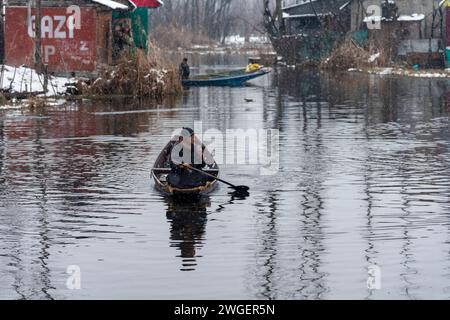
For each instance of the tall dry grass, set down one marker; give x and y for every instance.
(348, 55)
(137, 74)
(3, 99)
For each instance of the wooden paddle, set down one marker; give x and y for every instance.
(240, 189)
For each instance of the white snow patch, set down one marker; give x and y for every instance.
(344, 5)
(381, 71)
(259, 39)
(238, 40)
(296, 4)
(413, 17)
(374, 57)
(23, 80)
(235, 40)
(405, 72)
(386, 71)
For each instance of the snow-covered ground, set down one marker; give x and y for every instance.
(23, 80)
(237, 40)
(374, 57)
(15, 104)
(406, 72)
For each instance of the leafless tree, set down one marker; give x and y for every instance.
(216, 18)
(273, 17)
(37, 52)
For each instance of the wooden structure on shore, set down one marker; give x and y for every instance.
(76, 35)
(311, 29)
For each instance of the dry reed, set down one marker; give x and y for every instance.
(136, 74)
(347, 55)
(36, 103)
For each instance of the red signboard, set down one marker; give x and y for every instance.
(68, 42)
(146, 3)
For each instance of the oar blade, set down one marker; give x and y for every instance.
(241, 189)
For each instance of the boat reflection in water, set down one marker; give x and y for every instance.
(187, 229)
(188, 225)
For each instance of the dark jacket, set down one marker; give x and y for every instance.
(185, 71)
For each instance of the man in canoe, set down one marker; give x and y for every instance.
(188, 150)
(185, 70)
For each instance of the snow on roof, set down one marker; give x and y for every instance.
(372, 19)
(345, 5)
(412, 17)
(111, 4)
(319, 4)
(298, 4)
(305, 15)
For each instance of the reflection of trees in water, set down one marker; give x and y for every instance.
(360, 98)
(28, 254)
(351, 95)
(128, 117)
(300, 276)
(369, 177)
(404, 101)
(266, 282)
(276, 277)
(371, 253)
(312, 279)
(305, 83)
(187, 229)
(74, 159)
(312, 283)
(77, 161)
(412, 174)
(41, 170)
(382, 100)
(2, 155)
(401, 99)
(406, 251)
(389, 99)
(340, 95)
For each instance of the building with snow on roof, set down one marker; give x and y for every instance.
(78, 37)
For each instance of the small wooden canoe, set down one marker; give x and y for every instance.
(231, 78)
(162, 168)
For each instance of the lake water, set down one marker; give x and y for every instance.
(362, 193)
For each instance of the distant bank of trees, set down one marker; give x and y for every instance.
(273, 17)
(216, 19)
